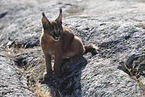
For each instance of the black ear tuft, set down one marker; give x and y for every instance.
(43, 14)
(59, 19)
(45, 21)
(60, 10)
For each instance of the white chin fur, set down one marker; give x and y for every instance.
(55, 39)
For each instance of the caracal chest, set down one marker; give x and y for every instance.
(53, 47)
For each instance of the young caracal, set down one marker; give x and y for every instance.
(58, 40)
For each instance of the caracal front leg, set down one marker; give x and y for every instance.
(48, 68)
(57, 64)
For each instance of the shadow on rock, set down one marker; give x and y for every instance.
(69, 83)
(3, 14)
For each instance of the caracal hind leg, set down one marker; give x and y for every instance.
(78, 49)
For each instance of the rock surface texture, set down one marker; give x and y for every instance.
(117, 27)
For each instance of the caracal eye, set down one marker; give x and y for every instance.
(52, 32)
(60, 31)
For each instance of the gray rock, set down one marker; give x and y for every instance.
(116, 26)
(13, 83)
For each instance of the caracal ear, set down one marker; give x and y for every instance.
(59, 19)
(45, 21)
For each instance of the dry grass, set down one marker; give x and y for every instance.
(40, 92)
(134, 73)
